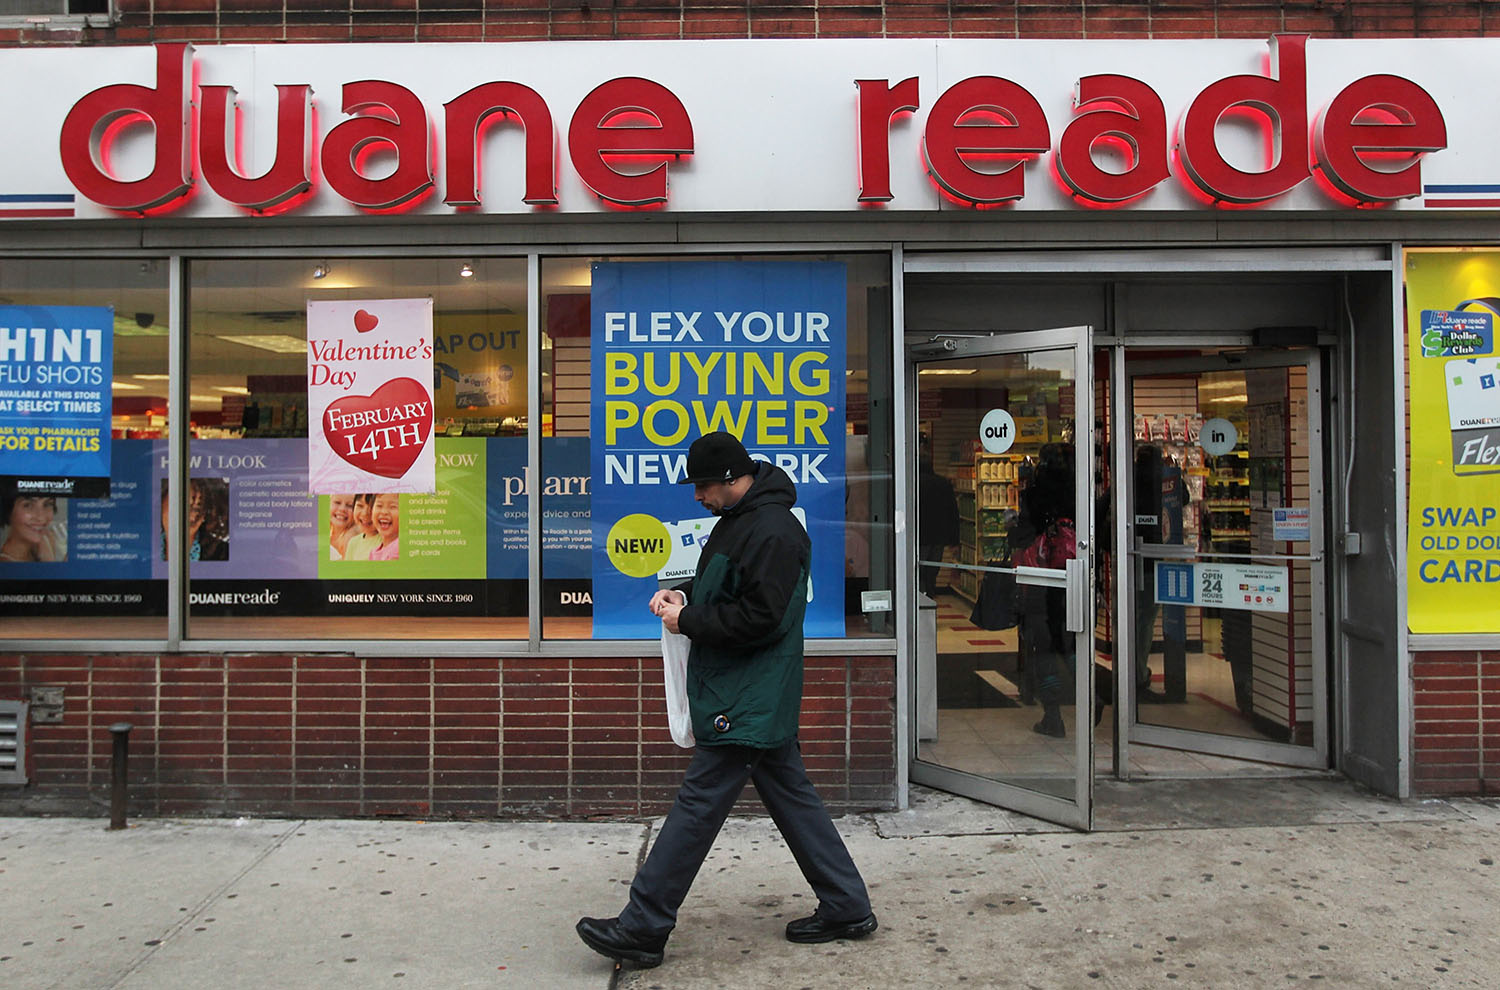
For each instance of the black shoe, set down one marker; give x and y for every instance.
(606, 937)
(1051, 725)
(816, 928)
(1146, 696)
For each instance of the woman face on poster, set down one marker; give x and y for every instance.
(197, 507)
(387, 515)
(28, 523)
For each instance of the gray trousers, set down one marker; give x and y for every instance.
(713, 782)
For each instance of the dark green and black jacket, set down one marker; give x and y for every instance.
(744, 617)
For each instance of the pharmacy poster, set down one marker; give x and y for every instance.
(55, 400)
(1453, 533)
(369, 396)
(680, 349)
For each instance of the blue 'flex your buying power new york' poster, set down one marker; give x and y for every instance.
(683, 348)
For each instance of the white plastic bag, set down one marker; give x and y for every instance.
(674, 658)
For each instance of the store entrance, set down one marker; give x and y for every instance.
(1222, 627)
(1003, 658)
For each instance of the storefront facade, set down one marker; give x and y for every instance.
(854, 253)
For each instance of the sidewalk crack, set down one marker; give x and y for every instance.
(197, 911)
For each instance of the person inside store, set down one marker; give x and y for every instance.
(742, 612)
(937, 517)
(1044, 536)
(208, 519)
(341, 525)
(363, 536)
(385, 512)
(31, 530)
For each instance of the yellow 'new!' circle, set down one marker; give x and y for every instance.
(639, 545)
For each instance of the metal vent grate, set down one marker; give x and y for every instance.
(12, 742)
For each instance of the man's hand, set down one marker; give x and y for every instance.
(669, 614)
(668, 604)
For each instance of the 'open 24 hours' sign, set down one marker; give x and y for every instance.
(1255, 589)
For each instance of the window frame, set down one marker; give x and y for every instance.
(178, 259)
(46, 21)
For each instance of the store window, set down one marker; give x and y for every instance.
(641, 355)
(314, 510)
(83, 411)
(42, 11)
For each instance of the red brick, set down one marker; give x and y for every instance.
(1451, 696)
(1048, 24)
(1453, 712)
(1438, 729)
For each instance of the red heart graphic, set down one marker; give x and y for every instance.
(365, 322)
(384, 432)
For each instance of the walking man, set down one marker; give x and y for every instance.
(743, 612)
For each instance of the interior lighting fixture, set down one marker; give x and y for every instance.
(467, 271)
(278, 343)
(320, 270)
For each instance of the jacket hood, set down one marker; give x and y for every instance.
(771, 486)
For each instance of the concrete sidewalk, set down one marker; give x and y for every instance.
(1276, 882)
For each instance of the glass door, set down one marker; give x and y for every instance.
(1001, 428)
(1224, 622)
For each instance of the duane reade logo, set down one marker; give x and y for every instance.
(62, 487)
(263, 597)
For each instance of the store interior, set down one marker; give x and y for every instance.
(1229, 672)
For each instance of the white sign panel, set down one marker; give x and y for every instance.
(244, 131)
(997, 431)
(1291, 523)
(1218, 436)
(369, 396)
(1237, 586)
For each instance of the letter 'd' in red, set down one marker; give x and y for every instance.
(96, 121)
(1281, 99)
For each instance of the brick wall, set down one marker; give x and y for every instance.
(1456, 721)
(242, 21)
(328, 735)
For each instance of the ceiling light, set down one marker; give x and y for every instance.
(126, 386)
(151, 378)
(320, 270)
(946, 371)
(467, 271)
(233, 389)
(280, 343)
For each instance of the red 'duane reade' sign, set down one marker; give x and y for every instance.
(369, 396)
(1295, 124)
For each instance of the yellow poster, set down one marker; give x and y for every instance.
(1453, 533)
(479, 368)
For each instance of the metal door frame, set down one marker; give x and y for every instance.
(1079, 812)
(1289, 754)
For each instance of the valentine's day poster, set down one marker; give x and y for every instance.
(369, 396)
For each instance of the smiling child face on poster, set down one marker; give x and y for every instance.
(386, 514)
